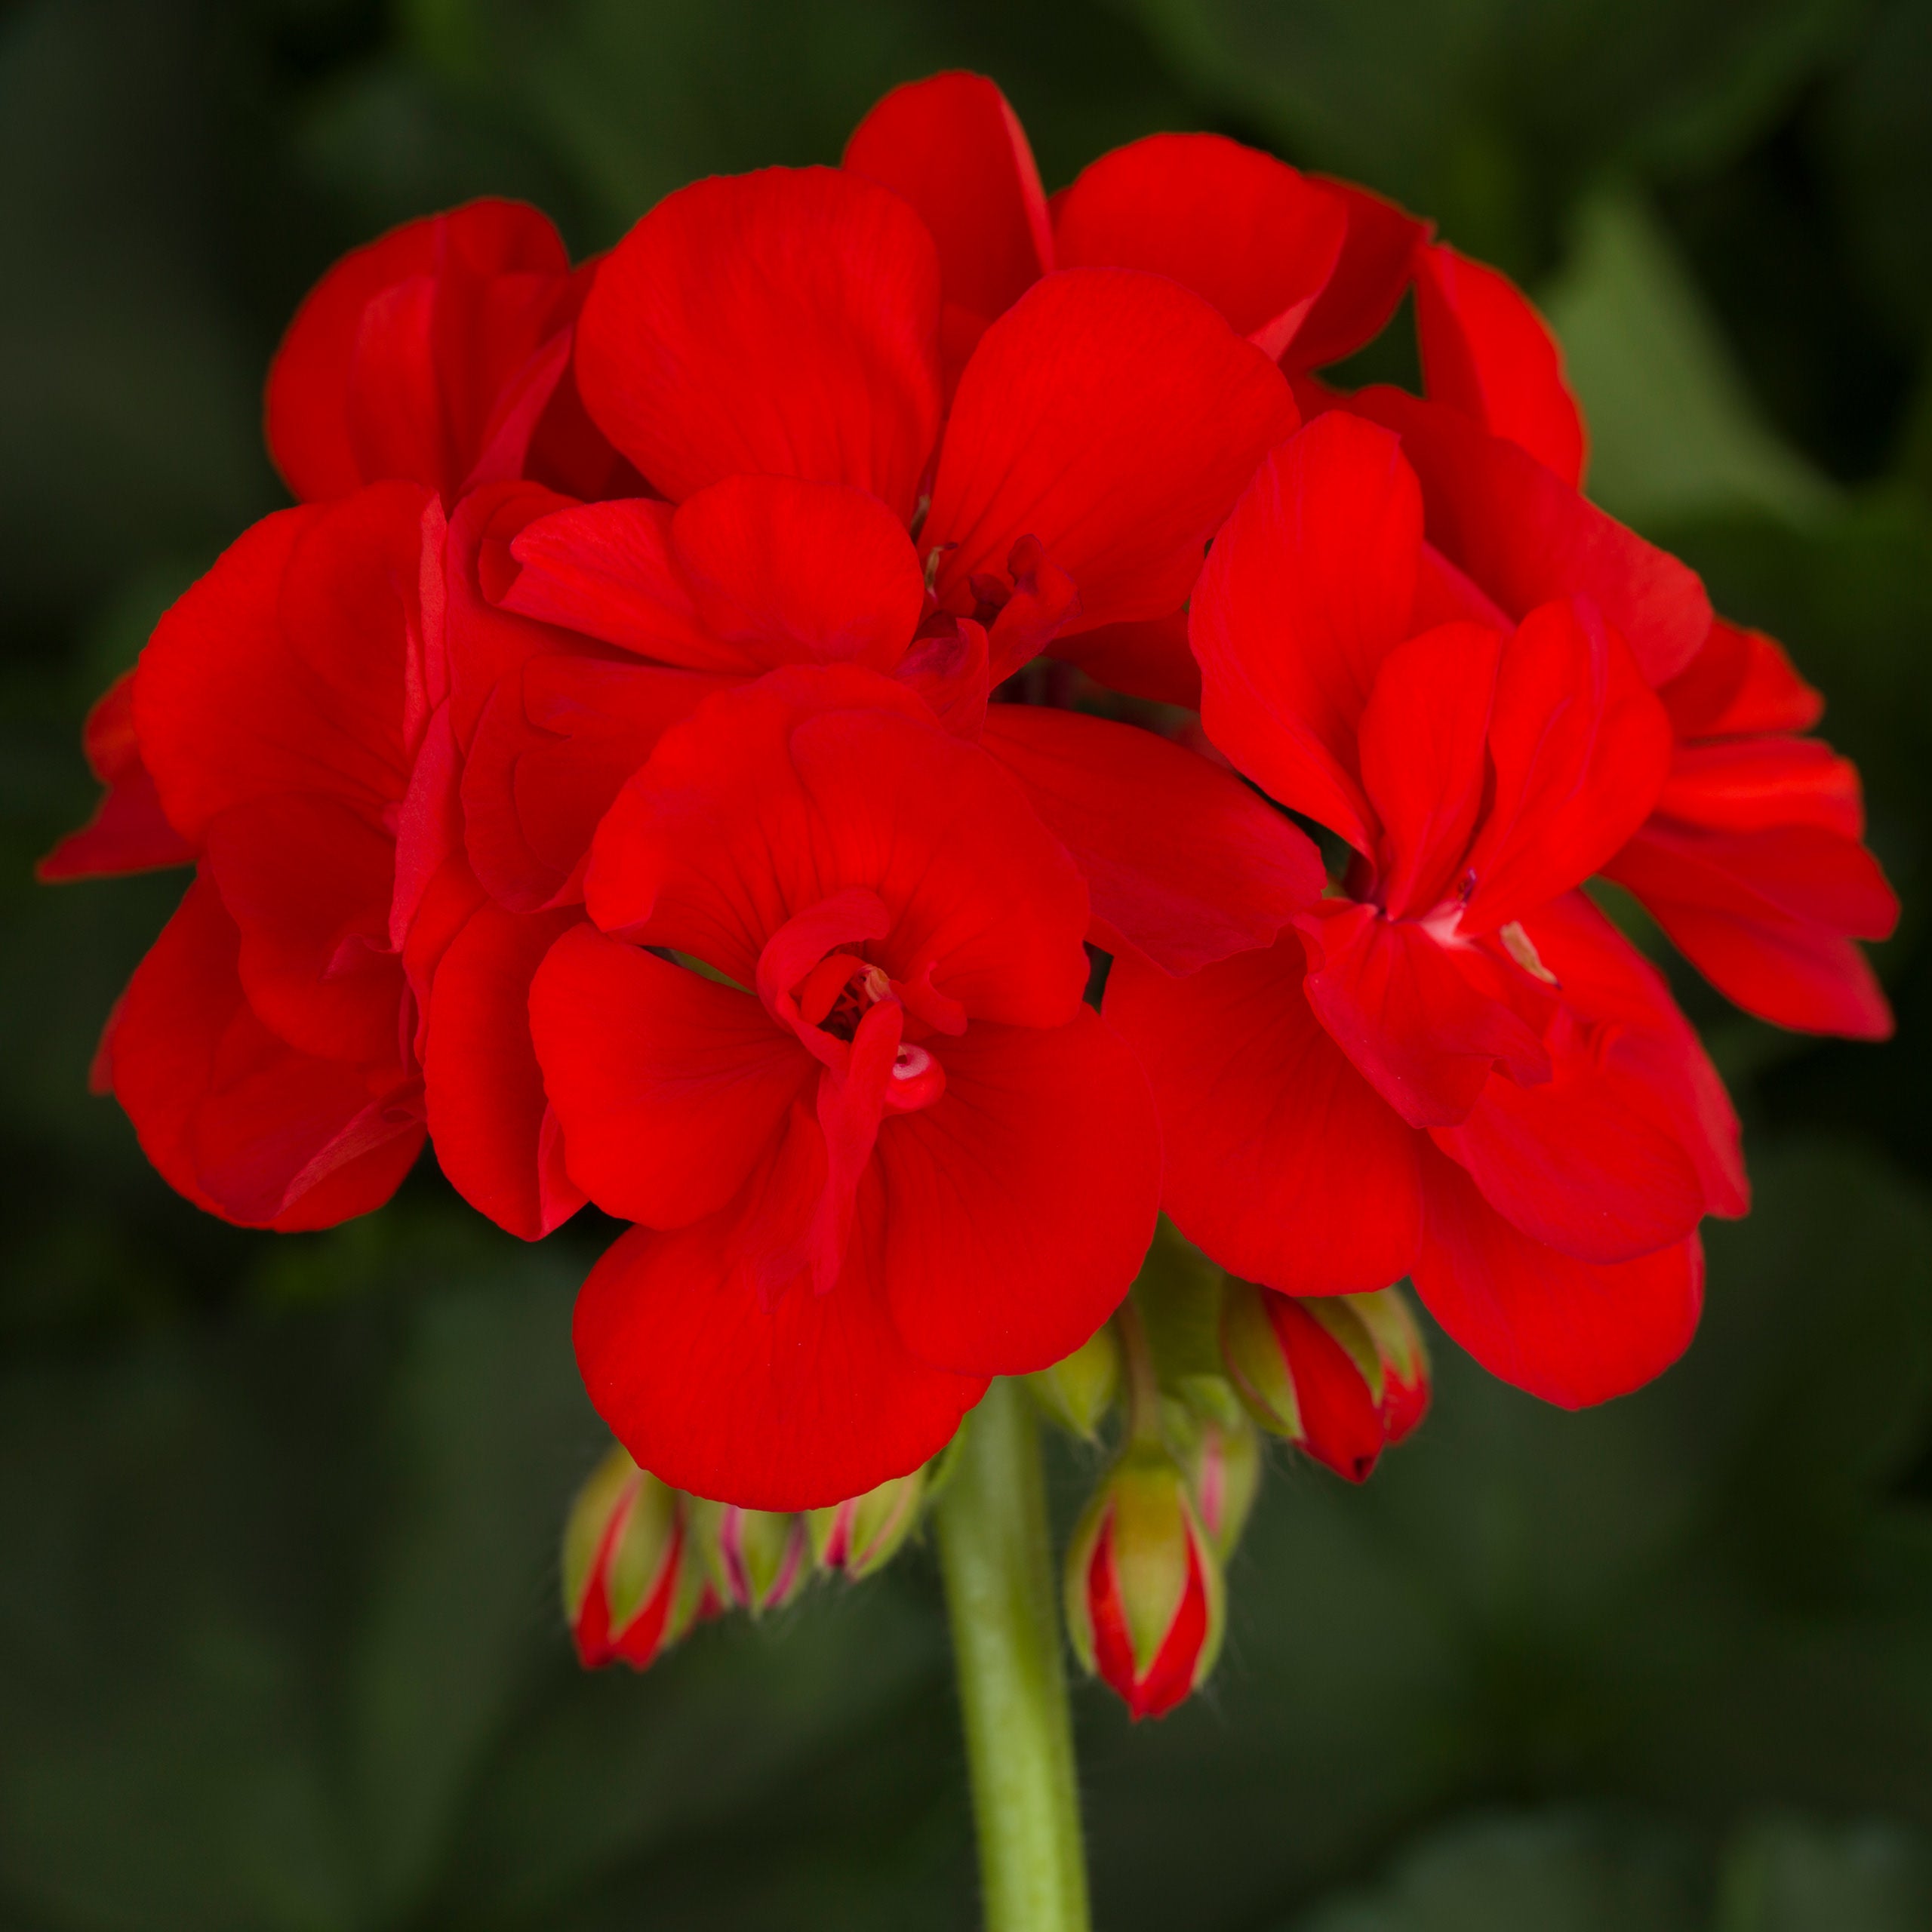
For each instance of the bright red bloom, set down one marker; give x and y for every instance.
(855, 1141)
(1457, 1068)
(1752, 861)
(440, 354)
(1307, 268)
(263, 1049)
(1100, 432)
(576, 633)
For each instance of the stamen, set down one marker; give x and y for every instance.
(911, 1062)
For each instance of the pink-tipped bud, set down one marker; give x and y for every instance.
(630, 1588)
(865, 1533)
(1222, 1458)
(1144, 1604)
(756, 1559)
(1080, 1389)
(1340, 1376)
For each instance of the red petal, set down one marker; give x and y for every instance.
(1282, 1163)
(1761, 784)
(1246, 231)
(1526, 537)
(128, 833)
(670, 1088)
(789, 1401)
(952, 147)
(1378, 260)
(1741, 682)
(1564, 1330)
(772, 798)
(1486, 352)
(1641, 1033)
(344, 338)
(309, 883)
(1114, 416)
(235, 1118)
(1308, 588)
(1587, 1163)
(483, 1090)
(1170, 1675)
(609, 571)
(788, 573)
(1764, 917)
(294, 665)
(1342, 1424)
(1579, 747)
(1424, 757)
(552, 749)
(784, 323)
(1017, 1208)
(1180, 858)
(1413, 1015)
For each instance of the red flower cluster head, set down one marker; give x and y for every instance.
(689, 749)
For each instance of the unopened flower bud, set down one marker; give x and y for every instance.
(864, 1533)
(758, 1559)
(1341, 1376)
(1221, 1459)
(630, 1589)
(1144, 1603)
(1078, 1391)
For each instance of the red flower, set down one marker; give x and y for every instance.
(577, 632)
(1307, 267)
(1752, 861)
(441, 354)
(263, 1049)
(878, 1148)
(1456, 1070)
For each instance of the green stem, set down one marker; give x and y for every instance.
(1001, 1595)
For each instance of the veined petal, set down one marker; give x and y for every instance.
(1114, 416)
(784, 323)
(1579, 748)
(1423, 749)
(1307, 589)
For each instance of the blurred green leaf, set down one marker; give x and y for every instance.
(1673, 432)
(1536, 1874)
(1488, 114)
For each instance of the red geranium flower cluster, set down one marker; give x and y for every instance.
(689, 749)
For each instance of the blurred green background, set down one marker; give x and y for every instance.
(278, 1644)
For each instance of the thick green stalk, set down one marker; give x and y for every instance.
(1001, 1596)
